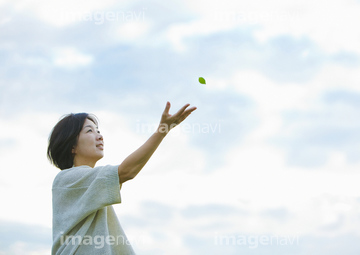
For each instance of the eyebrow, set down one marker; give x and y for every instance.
(90, 126)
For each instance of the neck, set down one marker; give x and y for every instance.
(84, 162)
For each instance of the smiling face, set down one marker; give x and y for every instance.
(90, 145)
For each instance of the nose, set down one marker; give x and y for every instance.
(100, 137)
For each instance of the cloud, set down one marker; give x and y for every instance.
(332, 245)
(280, 214)
(18, 238)
(22, 159)
(297, 19)
(249, 244)
(211, 210)
(71, 58)
(311, 136)
(346, 98)
(130, 32)
(156, 211)
(56, 14)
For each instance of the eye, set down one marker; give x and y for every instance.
(90, 130)
(98, 131)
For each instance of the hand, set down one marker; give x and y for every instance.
(169, 121)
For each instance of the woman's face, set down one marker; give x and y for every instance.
(90, 145)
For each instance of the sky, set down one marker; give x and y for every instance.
(267, 164)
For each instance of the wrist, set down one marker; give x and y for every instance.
(163, 129)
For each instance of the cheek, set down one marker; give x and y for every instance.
(81, 145)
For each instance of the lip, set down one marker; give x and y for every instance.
(100, 146)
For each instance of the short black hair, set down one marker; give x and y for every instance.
(64, 137)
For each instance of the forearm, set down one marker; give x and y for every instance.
(132, 165)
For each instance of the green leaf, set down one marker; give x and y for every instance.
(202, 80)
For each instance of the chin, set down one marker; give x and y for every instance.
(99, 157)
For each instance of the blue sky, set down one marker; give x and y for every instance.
(271, 153)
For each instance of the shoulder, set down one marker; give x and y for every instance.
(82, 175)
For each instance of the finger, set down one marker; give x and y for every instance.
(182, 109)
(167, 107)
(182, 118)
(186, 113)
(190, 110)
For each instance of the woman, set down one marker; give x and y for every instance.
(84, 221)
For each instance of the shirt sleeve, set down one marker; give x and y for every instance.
(80, 191)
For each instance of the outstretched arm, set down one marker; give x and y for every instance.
(132, 165)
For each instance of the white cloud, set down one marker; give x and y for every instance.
(318, 20)
(27, 176)
(21, 248)
(333, 76)
(274, 99)
(70, 58)
(256, 174)
(60, 13)
(256, 178)
(177, 33)
(129, 32)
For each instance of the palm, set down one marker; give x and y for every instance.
(169, 121)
